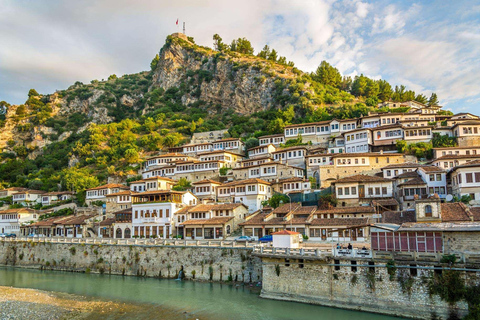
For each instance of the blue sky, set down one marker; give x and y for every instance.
(429, 46)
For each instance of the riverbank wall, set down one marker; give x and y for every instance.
(363, 285)
(200, 263)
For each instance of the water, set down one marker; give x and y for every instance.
(174, 299)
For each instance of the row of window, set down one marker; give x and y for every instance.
(457, 152)
(357, 136)
(152, 214)
(353, 191)
(361, 148)
(469, 178)
(415, 133)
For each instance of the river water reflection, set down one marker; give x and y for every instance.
(171, 299)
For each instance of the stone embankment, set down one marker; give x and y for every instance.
(162, 261)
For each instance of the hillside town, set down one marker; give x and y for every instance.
(340, 181)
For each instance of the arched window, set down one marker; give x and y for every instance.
(428, 210)
(228, 229)
(118, 233)
(128, 233)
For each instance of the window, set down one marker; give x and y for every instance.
(384, 190)
(469, 177)
(347, 191)
(428, 211)
(340, 191)
(354, 190)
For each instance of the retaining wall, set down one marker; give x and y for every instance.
(203, 263)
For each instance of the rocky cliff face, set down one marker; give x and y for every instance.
(245, 84)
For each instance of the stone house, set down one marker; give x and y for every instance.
(206, 189)
(50, 198)
(122, 225)
(212, 221)
(11, 191)
(467, 133)
(119, 201)
(293, 156)
(358, 189)
(358, 140)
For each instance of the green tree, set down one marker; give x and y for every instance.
(154, 63)
(328, 75)
(359, 86)
(384, 90)
(273, 55)
(112, 77)
(131, 155)
(433, 101)
(241, 45)
(276, 126)
(21, 110)
(276, 200)
(78, 180)
(251, 143)
(182, 185)
(32, 93)
(421, 98)
(264, 53)
(218, 43)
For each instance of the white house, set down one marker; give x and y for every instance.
(100, 193)
(54, 197)
(28, 197)
(250, 192)
(466, 180)
(275, 139)
(206, 189)
(153, 212)
(12, 219)
(358, 140)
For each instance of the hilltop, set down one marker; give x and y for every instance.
(105, 128)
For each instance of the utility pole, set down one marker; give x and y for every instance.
(183, 27)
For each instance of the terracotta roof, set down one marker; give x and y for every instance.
(57, 193)
(158, 192)
(227, 139)
(413, 182)
(184, 210)
(293, 179)
(362, 178)
(407, 174)
(340, 222)
(403, 165)
(247, 181)
(474, 163)
(305, 210)
(220, 206)
(347, 210)
(308, 124)
(121, 193)
(107, 222)
(431, 169)
(289, 148)
(458, 156)
(366, 154)
(385, 202)
(18, 210)
(285, 233)
(286, 208)
(109, 186)
(262, 146)
(206, 181)
(456, 211)
(467, 122)
(155, 178)
(33, 191)
(398, 217)
(76, 219)
(212, 221)
(271, 136)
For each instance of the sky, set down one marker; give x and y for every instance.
(429, 46)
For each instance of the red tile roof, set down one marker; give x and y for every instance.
(285, 233)
(361, 178)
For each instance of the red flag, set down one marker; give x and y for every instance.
(176, 22)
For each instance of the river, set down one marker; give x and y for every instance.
(171, 299)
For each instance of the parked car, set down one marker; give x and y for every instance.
(11, 235)
(243, 239)
(3, 235)
(267, 238)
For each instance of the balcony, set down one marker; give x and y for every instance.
(152, 220)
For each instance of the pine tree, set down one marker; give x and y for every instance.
(433, 101)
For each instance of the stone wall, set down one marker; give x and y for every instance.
(317, 282)
(203, 263)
